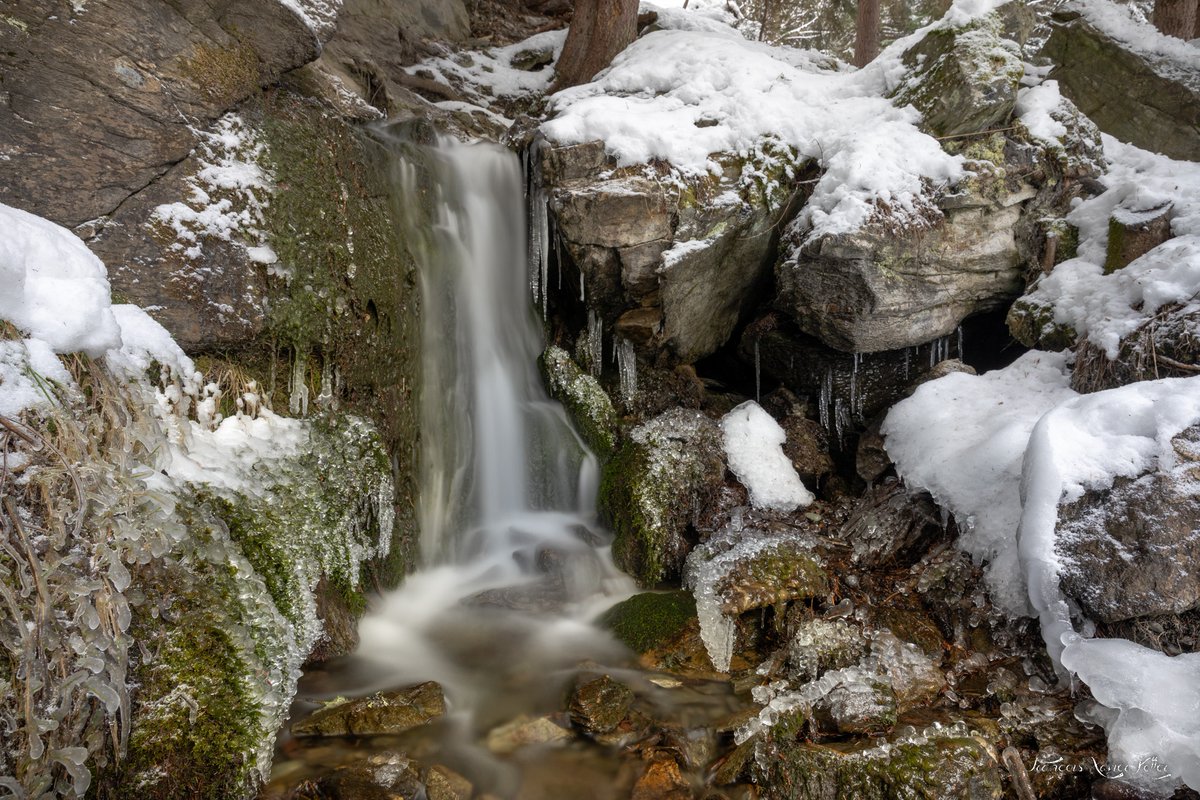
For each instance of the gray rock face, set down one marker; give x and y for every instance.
(1148, 99)
(882, 289)
(963, 80)
(99, 101)
(677, 266)
(1132, 551)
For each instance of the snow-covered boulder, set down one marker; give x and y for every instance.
(1132, 548)
(963, 79)
(1135, 83)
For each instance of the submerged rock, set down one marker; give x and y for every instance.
(382, 714)
(525, 731)
(599, 705)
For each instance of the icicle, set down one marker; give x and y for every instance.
(325, 396)
(298, 387)
(839, 415)
(544, 238)
(757, 375)
(595, 344)
(826, 398)
(854, 380)
(907, 361)
(627, 369)
(959, 331)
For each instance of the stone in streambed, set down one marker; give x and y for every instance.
(377, 715)
(525, 731)
(599, 705)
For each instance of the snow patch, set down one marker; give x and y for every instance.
(754, 446)
(54, 288)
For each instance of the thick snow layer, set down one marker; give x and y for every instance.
(1084, 444)
(1175, 57)
(54, 289)
(1106, 307)
(25, 366)
(754, 446)
(962, 438)
(143, 342)
(684, 95)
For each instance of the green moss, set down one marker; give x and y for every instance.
(584, 399)
(224, 74)
(1115, 252)
(649, 620)
(1033, 325)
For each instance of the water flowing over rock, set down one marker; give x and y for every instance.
(386, 713)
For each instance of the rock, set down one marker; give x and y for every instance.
(377, 39)
(1032, 324)
(856, 707)
(911, 626)
(583, 398)
(807, 448)
(889, 528)
(443, 783)
(102, 100)
(946, 767)
(662, 780)
(819, 645)
(385, 776)
(688, 259)
(599, 705)
(871, 458)
(878, 289)
(1132, 234)
(1128, 551)
(962, 80)
(385, 713)
(523, 732)
(652, 487)
(1144, 96)
(649, 620)
(787, 571)
(734, 766)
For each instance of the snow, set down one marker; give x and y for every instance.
(230, 192)
(962, 438)
(1085, 444)
(1174, 57)
(1107, 307)
(1035, 109)
(319, 15)
(684, 95)
(754, 446)
(143, 342)
(25, 366)
(485, 75)
(54, 288)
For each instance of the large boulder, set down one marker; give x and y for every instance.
(668, 265)
(963, 79)
(1135, 83)
(1129, 550)
(100, 99)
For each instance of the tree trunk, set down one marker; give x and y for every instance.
(1176, 17)
(599, 30)
(866, 32)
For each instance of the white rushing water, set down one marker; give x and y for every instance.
(513, 562)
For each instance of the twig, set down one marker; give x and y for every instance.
(976, 133)
(1170, 362)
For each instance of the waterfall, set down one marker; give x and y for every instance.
(510, 569)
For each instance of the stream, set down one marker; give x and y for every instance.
(514, 565)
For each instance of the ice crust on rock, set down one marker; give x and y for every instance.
(754, 446)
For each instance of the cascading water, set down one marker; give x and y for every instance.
(513, 563)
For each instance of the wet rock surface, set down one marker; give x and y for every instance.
(386, 713)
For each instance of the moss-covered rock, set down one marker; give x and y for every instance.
(584, 399)
(381, 714)
(1032, 324)
(930, 768)
(653, 486)
(649, 620)
(963, 80)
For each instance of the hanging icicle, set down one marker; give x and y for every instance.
(626, 369)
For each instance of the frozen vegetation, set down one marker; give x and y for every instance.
(137, 499)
